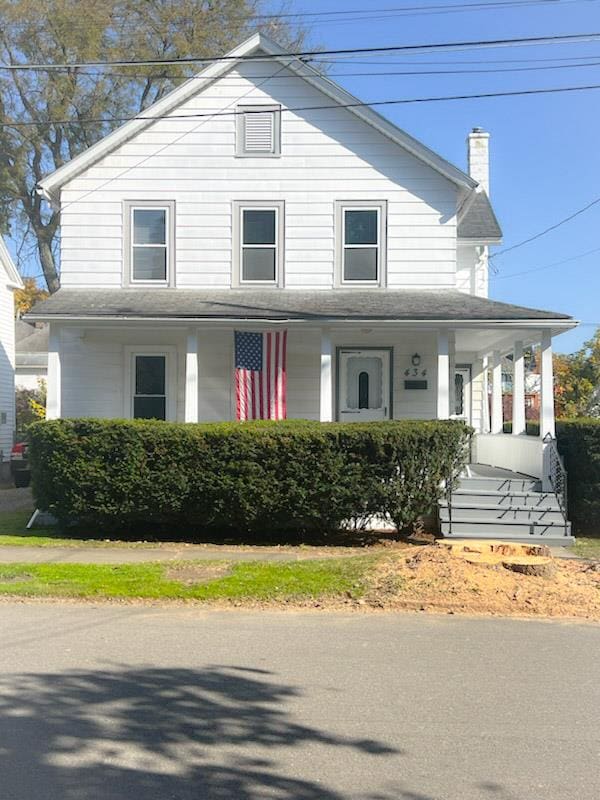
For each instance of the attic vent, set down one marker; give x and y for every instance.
(258, 131)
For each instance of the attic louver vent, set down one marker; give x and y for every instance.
(258, 130)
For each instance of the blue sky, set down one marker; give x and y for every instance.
(545, 149)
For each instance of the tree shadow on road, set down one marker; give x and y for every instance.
(176, 734)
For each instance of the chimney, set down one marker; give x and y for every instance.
(478, 153)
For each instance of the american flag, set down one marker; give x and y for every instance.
(260, 375)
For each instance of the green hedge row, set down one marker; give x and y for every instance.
(578, 442)
(251, 478)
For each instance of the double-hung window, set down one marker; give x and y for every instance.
(259, 245)
(149, 243)
(361, 243)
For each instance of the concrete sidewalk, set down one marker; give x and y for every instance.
(138, 555)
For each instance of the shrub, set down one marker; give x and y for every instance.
(252, 478)
(578, 442)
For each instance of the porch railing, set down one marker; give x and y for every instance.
(556, 473)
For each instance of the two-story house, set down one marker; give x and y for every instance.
(261, 197)
(9, 281)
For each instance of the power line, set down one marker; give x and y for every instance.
(547, 230)
(307, 54)
(371, 73)
(103, 120)
(546, 266)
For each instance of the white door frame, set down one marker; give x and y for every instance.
(387, 382)
(467, 371)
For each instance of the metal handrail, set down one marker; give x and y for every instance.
(557, 475)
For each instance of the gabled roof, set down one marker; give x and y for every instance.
(252, 46)
(284, 305)
(12, 274)
(479, 223)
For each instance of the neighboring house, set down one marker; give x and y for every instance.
(31, 354)
(532, 388)
(260, 196)
(9, 281)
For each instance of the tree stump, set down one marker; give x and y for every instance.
(540, 566)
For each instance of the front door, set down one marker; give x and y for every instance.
(462, 393)
(364, 385)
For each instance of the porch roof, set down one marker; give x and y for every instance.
(283, 305)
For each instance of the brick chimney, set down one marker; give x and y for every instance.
(478, 154)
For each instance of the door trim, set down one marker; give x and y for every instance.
(466, 368)
(338, 350)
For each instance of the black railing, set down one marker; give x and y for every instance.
(556, 473)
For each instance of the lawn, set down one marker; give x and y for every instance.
(588, 547)
(192, 580)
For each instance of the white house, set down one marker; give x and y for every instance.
(9, 281)
(31, 354)
(260, 196)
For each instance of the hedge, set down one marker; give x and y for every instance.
(248, 478)
(578, 442)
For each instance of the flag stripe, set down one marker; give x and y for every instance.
(260, 375)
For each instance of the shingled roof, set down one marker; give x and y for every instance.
(280, 305)
(480, 223)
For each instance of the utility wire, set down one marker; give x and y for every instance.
(217, 114)
(546, 266)
(308, 54)
(547, 230)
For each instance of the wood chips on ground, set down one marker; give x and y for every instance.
(432, 579)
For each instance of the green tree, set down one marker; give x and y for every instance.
(84, 31)
(577, 381)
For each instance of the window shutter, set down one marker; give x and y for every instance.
(259, 131)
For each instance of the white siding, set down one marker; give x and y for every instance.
(472, 270)
(7, 367)
(327, 155)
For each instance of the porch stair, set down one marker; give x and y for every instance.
(492, 503)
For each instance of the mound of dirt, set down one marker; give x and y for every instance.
(433, 579)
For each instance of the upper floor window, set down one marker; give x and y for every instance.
(361, 243)
(149, 243)
(259, 245)
(258, 130)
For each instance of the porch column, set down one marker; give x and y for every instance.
(547, 387)
(496, 426)
(191, 377)
(443, 375)
(518, 410)
(326, 386)
(54, 385)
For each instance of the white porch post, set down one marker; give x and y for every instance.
(451, 372)
(547, 425)
(518, 410)
(326, 386)
(497, 420)
(191, 377)
(443, 375)
(53, 399)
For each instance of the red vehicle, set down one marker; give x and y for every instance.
(19, 465)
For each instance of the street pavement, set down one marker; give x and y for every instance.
(108, 702)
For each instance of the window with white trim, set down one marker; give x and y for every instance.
(361, 242)
(149, 386)
(149, 244)
(259, 244)
(258, 130)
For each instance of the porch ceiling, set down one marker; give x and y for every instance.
(281, 305)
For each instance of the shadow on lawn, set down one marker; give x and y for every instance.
(173, 734)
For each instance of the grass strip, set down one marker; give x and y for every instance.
(255, 580)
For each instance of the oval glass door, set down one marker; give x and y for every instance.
(462, 394)
(364, 385)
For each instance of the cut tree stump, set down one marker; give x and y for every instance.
(523, 558)
(541, 567)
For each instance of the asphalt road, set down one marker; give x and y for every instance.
(115, 702)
